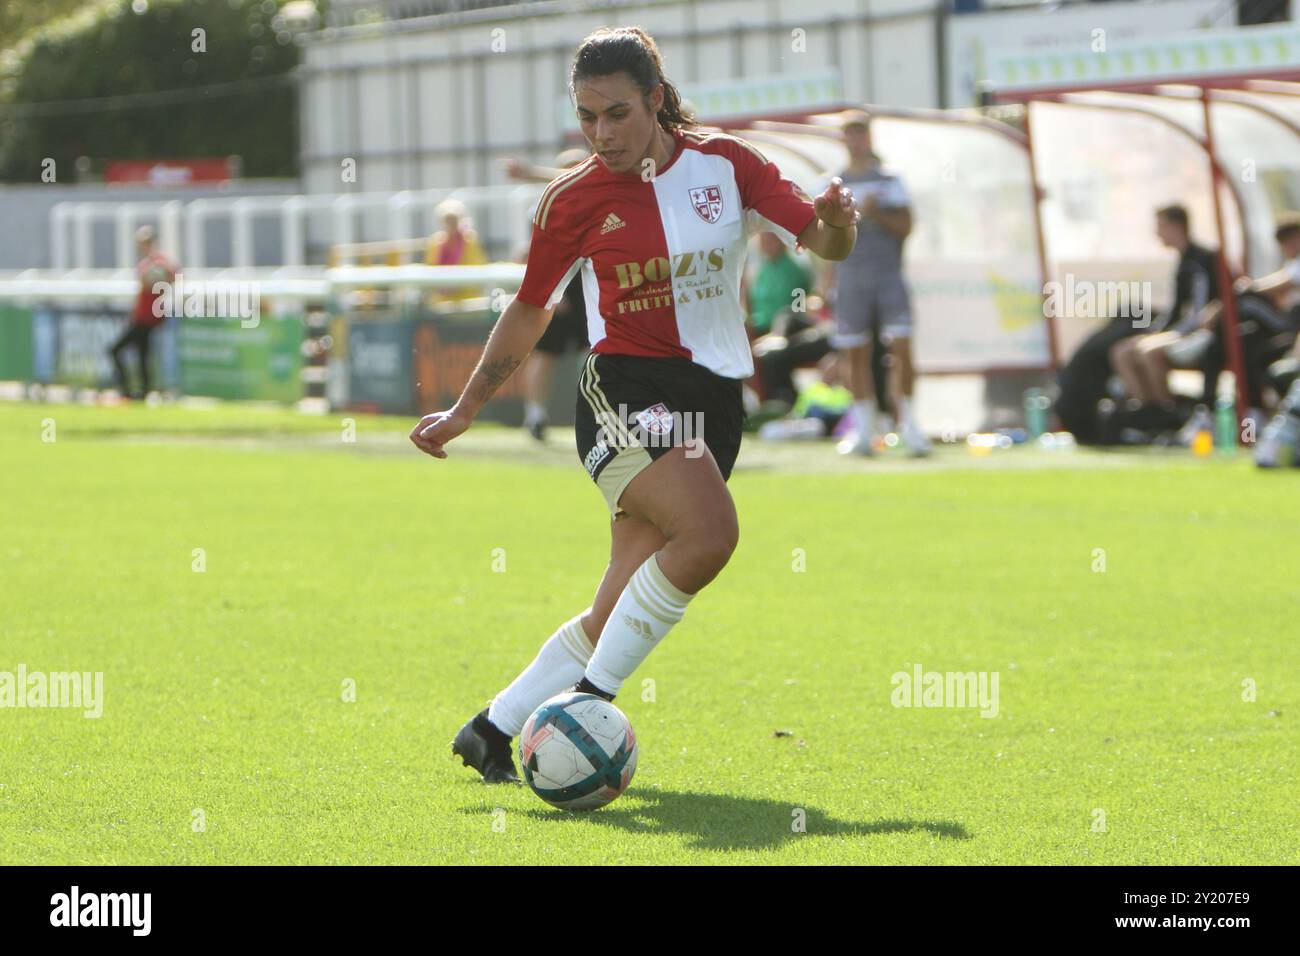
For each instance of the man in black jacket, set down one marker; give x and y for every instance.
(1142, 362)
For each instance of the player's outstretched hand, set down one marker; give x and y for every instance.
(836, 207)
(435, 430)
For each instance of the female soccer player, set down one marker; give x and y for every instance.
(656, 220)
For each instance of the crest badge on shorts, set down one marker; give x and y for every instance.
(707, 202)
(656, 420)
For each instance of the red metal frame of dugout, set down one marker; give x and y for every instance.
(1286, 83)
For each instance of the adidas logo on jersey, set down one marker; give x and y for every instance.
(612, 222)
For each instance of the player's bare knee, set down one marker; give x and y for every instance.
(716, 555)
(711, 543)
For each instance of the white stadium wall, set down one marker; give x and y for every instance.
(428, 103)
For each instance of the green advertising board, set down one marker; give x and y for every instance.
(15, 343)
(379, 365)
(223, 359)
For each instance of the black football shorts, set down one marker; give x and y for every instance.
(632, 409)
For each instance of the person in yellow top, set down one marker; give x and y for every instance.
(456, 244)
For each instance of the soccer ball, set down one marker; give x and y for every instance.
(578, 751)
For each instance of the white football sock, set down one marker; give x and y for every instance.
(865, 410)
(534, 412)
(558, 666)
(644, 613)
(905, 412)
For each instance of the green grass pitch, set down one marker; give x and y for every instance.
(1125, 732)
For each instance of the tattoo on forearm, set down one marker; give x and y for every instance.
(494, 375)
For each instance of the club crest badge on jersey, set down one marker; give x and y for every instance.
(707, 201)
(656, 420)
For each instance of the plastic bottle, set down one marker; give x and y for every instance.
(1225, 425)
(1036, 405)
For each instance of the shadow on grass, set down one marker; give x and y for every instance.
(716, 822)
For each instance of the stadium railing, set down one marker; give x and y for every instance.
(501, 214)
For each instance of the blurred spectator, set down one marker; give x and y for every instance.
(456, 244)
(1082, 382)
(1283, 288)
(568, 326)
(871, 294)
(1268, 317)
(818, 409)
(153, 268)
(1141, 361)
(825, 397)
(785, 339)
(773, 288)
(525, 172)
(1285, 282)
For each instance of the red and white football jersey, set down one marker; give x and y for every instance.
(662, 260)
